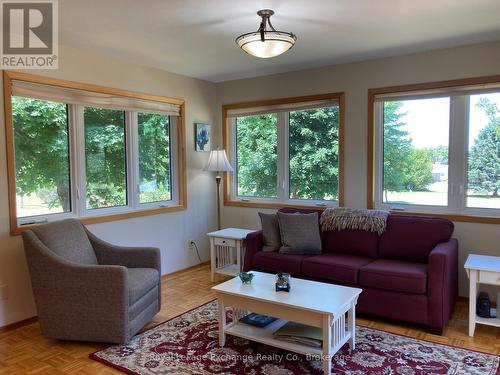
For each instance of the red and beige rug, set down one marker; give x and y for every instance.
(188, 344)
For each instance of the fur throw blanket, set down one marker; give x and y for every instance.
(351, 218)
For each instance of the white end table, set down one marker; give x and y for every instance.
(481, 269)
(226, 248)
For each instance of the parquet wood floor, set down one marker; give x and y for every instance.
(24, 351)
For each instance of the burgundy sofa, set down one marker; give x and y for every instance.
(408, 273)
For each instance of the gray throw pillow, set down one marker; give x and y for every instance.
(299, 233)
(270, 232)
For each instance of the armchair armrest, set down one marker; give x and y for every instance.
(130, 257)
(253, 243)
(77, 301)
(443, 282)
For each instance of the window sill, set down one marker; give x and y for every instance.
(260, 204)
(453, 217)
(16, 230)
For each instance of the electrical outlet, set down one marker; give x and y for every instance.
(3, 292)
(191, 245)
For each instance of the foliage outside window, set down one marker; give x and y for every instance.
(483, 180)
(41, 157)
(418, 137)
(154, 158)
(287, 155)
(257, 153)
(314, 154)
(105, 157)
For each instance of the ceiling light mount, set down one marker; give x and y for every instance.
(266, 42)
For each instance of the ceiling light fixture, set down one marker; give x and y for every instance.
(264, 42)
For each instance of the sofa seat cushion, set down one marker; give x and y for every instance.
(140, 281)
(394, 275)
(276, 262)
(335, 267)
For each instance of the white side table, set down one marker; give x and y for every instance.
(226, 247)
(481, 269)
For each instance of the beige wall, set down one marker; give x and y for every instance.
(169, 231)
(355, 79)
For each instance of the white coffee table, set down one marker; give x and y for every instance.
(308, 302)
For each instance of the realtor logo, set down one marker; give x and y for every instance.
(29, 35)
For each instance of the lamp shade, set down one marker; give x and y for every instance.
(217, 161)
(275, 43)
(266, 42)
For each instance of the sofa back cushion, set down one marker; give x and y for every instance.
(293, 210)
(412, 238)
(271, 236)
(352, 242)
(299, 233)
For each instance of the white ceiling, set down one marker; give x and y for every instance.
(196, 37)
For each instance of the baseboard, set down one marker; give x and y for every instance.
(21, 323)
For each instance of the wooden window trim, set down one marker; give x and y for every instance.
(340, 96)
(8, 76)
(372, 93)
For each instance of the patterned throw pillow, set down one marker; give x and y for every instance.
(270, 232)
(299, 233)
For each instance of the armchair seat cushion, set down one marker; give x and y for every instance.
(395, 275)
(140, 281)
(341, 268)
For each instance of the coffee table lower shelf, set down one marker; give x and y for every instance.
(264, 335)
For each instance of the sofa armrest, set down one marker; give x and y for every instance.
(443, 282)
(253, 244)
(130, 257)
(77, 301)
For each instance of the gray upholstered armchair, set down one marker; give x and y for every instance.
(87, 289)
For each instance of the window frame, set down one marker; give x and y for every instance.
(76, 148)
(283, 185)
(456, 209)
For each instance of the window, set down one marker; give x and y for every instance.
(437, 150)
(483, 161)
(416, 164)
(105, 157)
(154, 158)
(41, 157)
(285, 153)
(97, 155)
(256, 155)
(314, 154)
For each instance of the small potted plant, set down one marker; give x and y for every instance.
(246, 277)
(282, 282)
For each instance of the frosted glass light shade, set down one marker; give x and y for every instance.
(217, 161)
(275, 43)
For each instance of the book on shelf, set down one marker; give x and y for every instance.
(257, 320)
(300, 334)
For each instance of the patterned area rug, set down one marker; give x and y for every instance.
(188, 344)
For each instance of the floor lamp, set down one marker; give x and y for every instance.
(217, 162)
